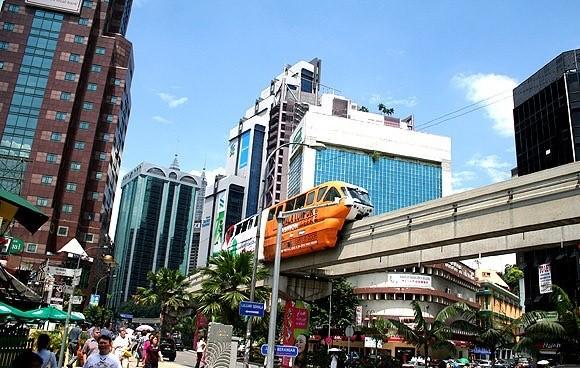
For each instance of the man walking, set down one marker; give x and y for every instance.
(104, 359)
(91, 346)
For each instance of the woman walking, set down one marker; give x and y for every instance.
(48, 357)
(152, 353)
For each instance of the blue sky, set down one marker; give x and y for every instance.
(201, 64)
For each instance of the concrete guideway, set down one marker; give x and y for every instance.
(534, 210)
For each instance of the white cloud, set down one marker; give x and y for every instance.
(496, 90)
(171, 100)
(210, 175)
(460, 180)
(493, 166)
(496, 263)
(161, 119)
(116, 204)
(375, 99)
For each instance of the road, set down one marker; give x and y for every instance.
(186, 358)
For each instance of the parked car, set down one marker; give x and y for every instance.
(167, 348)
(178, 343)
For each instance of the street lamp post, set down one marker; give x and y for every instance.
(276, 279)
(99, 282)
(106, 259)
(315, 145)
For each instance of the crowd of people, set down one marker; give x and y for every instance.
(95, 348)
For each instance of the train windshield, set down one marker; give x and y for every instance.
(360, 195)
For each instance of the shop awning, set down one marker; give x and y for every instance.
(11, 289)
(15, 207)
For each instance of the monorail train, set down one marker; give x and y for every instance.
(331, 205)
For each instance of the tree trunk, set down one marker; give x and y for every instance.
(426, 352)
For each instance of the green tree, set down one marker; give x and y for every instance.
(380, 330)
(512, 275)
(385, 110)
(487, 330)
(344, 304)
(226, 282)
(363, 109)
(140, 310)
(434, 335)
(169, 289)
(562, 325)
(97, 315)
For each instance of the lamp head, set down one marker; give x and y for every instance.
(108, 259)
(318, 146)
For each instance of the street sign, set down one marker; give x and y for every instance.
(349, 331)
(77, 299)
(281, 350)
(61, 271)
(126, 315)
(95, 298)
(251, 309)
(15, 245)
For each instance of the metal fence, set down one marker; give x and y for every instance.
(13, 341)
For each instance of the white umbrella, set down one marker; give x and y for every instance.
(144, 328)
(542, 362)
(334, 349)
(129, 331)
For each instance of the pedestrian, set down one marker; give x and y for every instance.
(105, 358)
(48, 357)
(121, 346)
(199, 350)
(28, 359)
(152, 353)
(73, 344)
(91, 346)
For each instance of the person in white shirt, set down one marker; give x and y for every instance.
(104, 359)
(121, 346)
(48, 357)
(200, 350)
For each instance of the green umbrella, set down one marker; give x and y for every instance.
(49, 314)
(462, 361)
(10, 311)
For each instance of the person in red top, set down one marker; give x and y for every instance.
(152, 353)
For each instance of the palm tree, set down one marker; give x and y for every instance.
(380, 330)
(226, 282)
(559, 326)
(487, 332)
(169, 288)
(385, 110)
(429, 335)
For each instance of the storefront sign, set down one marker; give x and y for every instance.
(69, 6)
(408, 280)
(545, 278)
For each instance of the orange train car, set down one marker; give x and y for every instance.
(316, 228)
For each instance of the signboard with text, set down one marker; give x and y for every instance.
(69, 6)
(408, 280)
(251, 309)
(545, 278)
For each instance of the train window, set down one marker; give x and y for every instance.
(321, 192)
(331, 194)
(309, 198)
(290, 205)
(271, 214)
(300, 202)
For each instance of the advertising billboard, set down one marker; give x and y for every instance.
(295, 331)
(408, 280)
(219, 223)
(68, 6)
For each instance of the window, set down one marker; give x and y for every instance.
(117, 82)
(8, 26)
(71, 187)
(106, 137)
(31, 248)
(98, 175)
(65, 96)
(94, 195)
(70, 76)
(84, 125)
(100, 51)
(67, 208)
(309, 198)
(320, 195)
(331, 194)
(89, 237)
(88, 106)
(84, 21)
(102, 156)
(114, 99)
(1, 65)
(42, 202)
(46, 179)
(79, 39)
(55, 136)
(4, 45)
(91, 87)
(75, 58)
(62, 231)
(75, 166)
(96, 68)
(109, 118)
(60, 116)
(13, 8)
(51, 157)
(79, 145)
(87, 4)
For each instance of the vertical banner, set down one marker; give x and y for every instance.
(219, 223)
(295, 331)
(545, 278)
(359, 315)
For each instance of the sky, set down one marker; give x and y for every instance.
(453, 64)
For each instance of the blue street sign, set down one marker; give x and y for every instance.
(281, 350)
(251, 309)
(126, 315)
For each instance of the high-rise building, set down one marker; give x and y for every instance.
(65, 77)
(547, 134)
(399, 166)
(155, 227)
